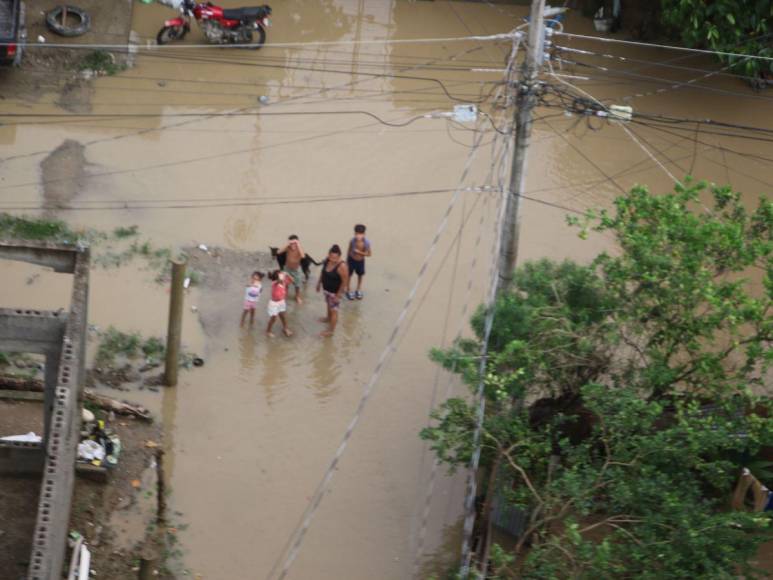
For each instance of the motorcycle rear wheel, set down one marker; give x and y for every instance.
(170, 33)
(261, 40)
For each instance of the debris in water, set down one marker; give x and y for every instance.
(203, 248)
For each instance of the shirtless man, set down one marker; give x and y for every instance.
(294, 252)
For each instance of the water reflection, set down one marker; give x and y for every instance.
(273, 377)
(326, 368)
(247, 357)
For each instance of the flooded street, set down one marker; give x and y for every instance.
(181, 146)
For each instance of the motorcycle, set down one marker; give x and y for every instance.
(219, 25)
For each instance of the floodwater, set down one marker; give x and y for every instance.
(250, 434)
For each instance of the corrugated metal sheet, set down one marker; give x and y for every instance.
(507, 518)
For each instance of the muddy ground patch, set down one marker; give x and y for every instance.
(223, 273)
(62, 174)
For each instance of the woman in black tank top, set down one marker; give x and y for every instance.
(333, 281)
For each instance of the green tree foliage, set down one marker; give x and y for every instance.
(623, 396)
(739, 26)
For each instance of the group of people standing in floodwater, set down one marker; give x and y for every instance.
(334, 281)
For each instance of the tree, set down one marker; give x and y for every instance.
(739, 26)
(623, 396)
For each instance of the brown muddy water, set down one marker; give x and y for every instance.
(250, 434)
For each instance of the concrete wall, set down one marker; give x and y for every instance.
(62, 338)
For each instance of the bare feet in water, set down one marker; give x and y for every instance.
(325, 334)
(288, 332)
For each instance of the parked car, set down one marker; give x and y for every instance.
(13, 31)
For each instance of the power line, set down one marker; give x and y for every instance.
(288, 556)
(253, 64)
(462, 320)
(630, 133)
(650, 63)
(274, 45)
(663, 46)
(181, 162)
(618, 73)
(127, 205)
(193, 121)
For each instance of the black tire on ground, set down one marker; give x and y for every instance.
(169, 34)
(55, 24)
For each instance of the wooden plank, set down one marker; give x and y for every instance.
(21, 395)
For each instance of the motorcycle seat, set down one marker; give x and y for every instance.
(248, 13)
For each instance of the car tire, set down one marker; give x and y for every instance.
(55, 24)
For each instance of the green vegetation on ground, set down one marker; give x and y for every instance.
(101, 62)
(109, 249)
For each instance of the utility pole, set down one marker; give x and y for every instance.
(174, 329)
(526, 99)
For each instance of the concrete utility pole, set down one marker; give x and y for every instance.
(174, 329)
(525, 101)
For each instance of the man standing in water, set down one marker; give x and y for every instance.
(294, 254)
(334, 278)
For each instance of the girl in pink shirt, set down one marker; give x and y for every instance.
(277, 305)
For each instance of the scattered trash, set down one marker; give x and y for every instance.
(194, 308)
(87, 416)
(41, 39)
(187, 282)
(203, 248)
(263, 99)
(84, 566)
(161, 83)
(91, 450)
(26, 438)
(198, 362)
(151, 444)
(136, 483)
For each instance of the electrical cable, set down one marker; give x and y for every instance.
(189, 122)
(622, 125)
(618, 73)
(291, 551)
(663, 46)
(274, 45)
